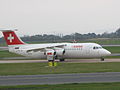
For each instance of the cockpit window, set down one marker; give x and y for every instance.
(97, 47)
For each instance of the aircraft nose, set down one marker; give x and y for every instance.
(106, 52)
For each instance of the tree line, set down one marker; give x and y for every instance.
(72, 37)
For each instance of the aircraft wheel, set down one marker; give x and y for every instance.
(102, 59)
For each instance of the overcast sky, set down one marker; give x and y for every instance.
(60, 16)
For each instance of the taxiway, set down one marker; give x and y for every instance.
(60, 78)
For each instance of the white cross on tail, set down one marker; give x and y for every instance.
(10, 38)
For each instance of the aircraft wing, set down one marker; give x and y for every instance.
(44, 49)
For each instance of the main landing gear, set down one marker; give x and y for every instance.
(102, 59)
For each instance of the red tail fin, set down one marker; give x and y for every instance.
(11, 38)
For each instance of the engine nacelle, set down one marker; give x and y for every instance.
(59, 51)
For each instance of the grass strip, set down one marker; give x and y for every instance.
(62, 68)
(75, 86)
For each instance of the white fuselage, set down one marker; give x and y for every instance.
(72, 50)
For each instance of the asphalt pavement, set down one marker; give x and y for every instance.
(60, 78)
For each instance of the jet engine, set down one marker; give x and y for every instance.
(59, 51)
(56, 53)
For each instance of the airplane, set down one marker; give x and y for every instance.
(53, 51)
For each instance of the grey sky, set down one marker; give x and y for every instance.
(60, 16)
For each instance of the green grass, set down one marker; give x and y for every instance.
(75, 86)
(101, 41)
(114, 57)
(42, 68)
(3, 44)
(106, 41)
(113, 49)
(8, 54)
